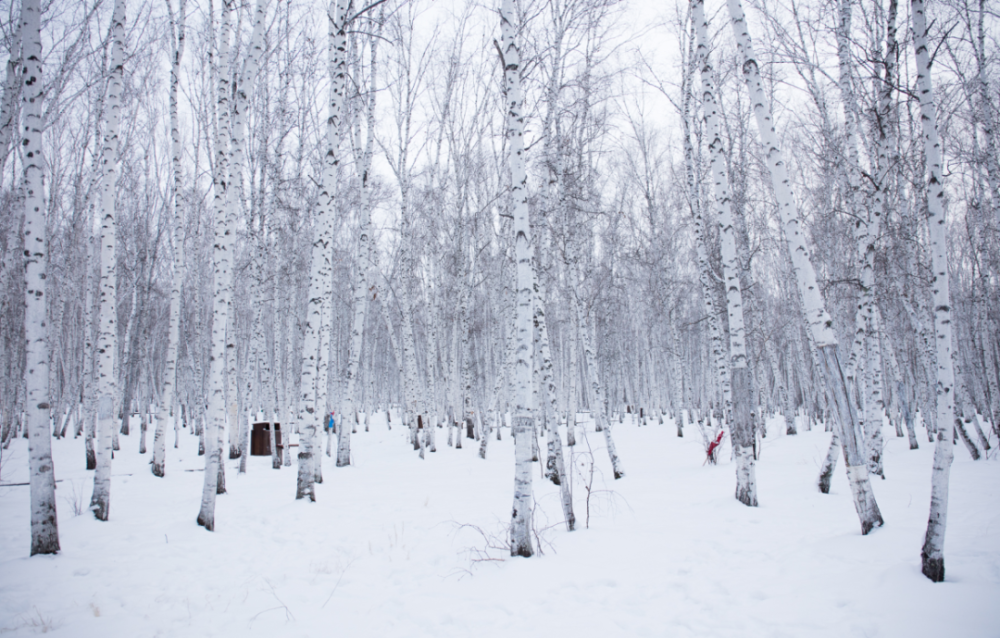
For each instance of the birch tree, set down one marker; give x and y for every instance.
(523, 421)
(166, 409)
(932, 554)
(866, 231)
(222, 253)
(319, 277)
(555, 465)
(9, 97)
(363, 158)
(739, 411)
(44, 524)
(107, 344)
(820, 322)
(705, 273)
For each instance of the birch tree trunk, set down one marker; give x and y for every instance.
(44, 524)
(739, 411)
(320, 282)
(222, 287)
(932, 554)
(361, 288)
(555, 463)
(166, 408)
(901, 394)
(819, 321)
(409, 346)
(273, 401)
(232, 381)
(701, 248)
(574, 375)
(598, 407)
(107, 343)
(866, 231)
(523, 421)
(11, 91)
(89, 400)
(986, 117)
(502, 377)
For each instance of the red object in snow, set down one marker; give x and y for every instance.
(714, 445)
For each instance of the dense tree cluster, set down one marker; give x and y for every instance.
(272, 211)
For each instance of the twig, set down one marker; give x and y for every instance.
(342, 572)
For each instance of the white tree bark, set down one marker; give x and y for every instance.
(222, 287)
(555, 463)
(701, 249)
(11, 91)
(465, 346)
(166, 409)
(320, 283)
(523, 422)
(897, 378)
(932, 554)
(89, 400)
(866, 231)
(361, 288)
(409, 345)
(572, 406)
(598, 407)
(107, 343)
(739, 411)
(430, 400)
(986, 118)
(44, 524)
(232, 363)
(274, 400)
(819, 320)
(238, 153)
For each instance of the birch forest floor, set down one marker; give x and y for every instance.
(398, 546)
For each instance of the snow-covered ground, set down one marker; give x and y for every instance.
(398, 546)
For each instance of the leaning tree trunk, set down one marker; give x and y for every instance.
(932, 554)
(166, 409)
(819, 321)
(44, 524)
(739, 412)
(107, 341)
(523, 422)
